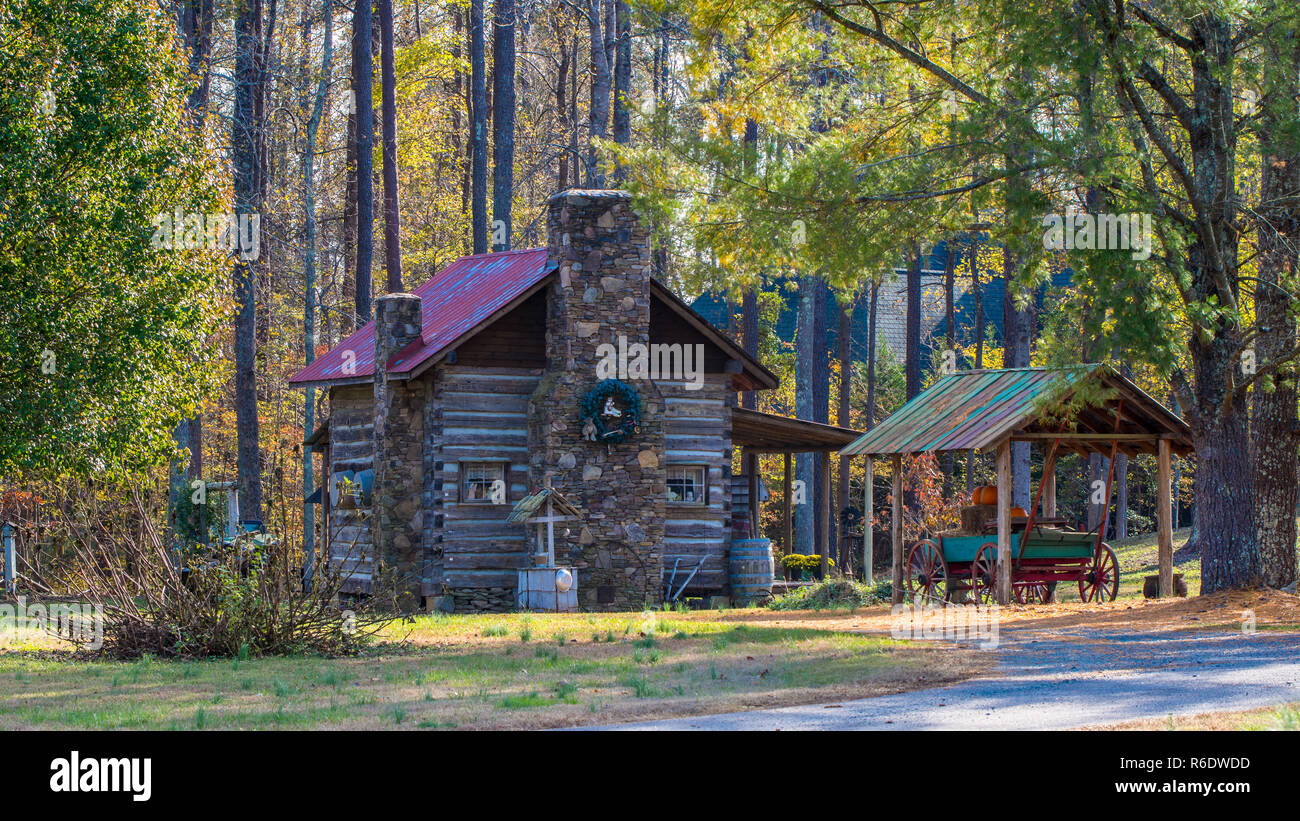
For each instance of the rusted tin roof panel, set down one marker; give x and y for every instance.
(976, 409)
(453, 303)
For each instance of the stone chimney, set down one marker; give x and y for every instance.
(399, 464)
(601, 294)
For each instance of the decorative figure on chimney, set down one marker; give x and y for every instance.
(613, 410)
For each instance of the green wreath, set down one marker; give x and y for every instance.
(601, 426)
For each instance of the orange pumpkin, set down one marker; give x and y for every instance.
(1018, 511)
(985, 495)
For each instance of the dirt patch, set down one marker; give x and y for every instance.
(917, 668)
(1272, 610)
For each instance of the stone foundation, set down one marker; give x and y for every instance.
(483, 599)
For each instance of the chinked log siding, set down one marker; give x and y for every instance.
(696, 432)
(482, 415)
(352, 449)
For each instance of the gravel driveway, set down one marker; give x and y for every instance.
(1062, 679)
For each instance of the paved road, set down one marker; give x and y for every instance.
(1049, 683)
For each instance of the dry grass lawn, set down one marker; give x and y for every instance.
(1285, 717)
(488, 672)
(524, 671)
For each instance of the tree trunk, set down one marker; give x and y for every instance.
(622, 79)
(950, 327)
(1095, 470)
(1274, 440)
(563, 126)
(912, 357)
(1018, 330)
(196, 26)
(348, 320)
(363, 90)
(598, 115)
(842, 419)
(460, 93)
(749, 399)
(573, 152)
(1223, 499)
(246, 137)
(309, 273)
(478, 130)
(503, 122)
(749, 316)
(977, 288)
(871, 356)
(821, 389)
(805, 351)
(1121, 481)
(392, 213)
(978, 291)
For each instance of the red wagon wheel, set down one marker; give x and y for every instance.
(984, 574)
(1101, 582)
(927, 573)
(1030, 592)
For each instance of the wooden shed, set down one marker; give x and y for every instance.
(1083, 409)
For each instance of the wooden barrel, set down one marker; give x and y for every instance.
(750, 571)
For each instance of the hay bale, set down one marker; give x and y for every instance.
(1151, 586)
(973, 518)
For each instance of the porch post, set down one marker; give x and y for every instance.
(1164, 521)
(1004, 521)
(868, 535)
(896, 529)
(788, 521)
(823, 544)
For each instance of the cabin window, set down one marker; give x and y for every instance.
(687, 484)
(484, 482)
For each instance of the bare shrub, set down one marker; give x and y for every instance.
(199, 599)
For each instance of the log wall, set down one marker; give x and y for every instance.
(352, 450)
(698, 432)
(477, 414)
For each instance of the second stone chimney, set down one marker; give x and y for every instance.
(399, 464)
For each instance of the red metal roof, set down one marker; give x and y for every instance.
(453, 303)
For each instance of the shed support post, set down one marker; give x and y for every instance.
(1164, 521)
(10, 559)
(868, 534)
(1049, 493)
(823, 544)
(787, 520)
(1004, 522)
(896, 530)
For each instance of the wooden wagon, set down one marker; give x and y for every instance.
(1081, 409)
(949, 566)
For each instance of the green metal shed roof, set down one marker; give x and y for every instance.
(973, 410)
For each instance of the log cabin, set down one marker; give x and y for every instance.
(569, 367)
